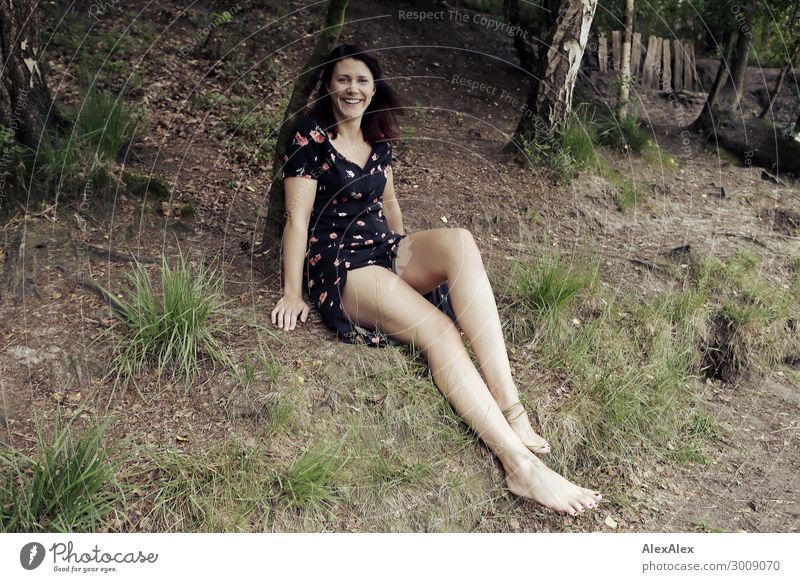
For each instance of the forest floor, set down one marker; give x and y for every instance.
(55, 348)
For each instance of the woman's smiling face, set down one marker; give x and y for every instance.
(352, 88)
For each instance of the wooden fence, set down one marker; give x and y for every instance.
(662, 64)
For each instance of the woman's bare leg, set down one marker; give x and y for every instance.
(427, 258)
(376, 297)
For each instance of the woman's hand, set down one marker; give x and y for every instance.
(287, 310)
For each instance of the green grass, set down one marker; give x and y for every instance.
(546, 285)
(106, 122)
(566, 153)
(628, 194)
(628, 135)
(57, 160)
(626, 370)
(173, 328)
(704, 526)
(750, 313)
(391, 469)
(68, 486)
(253, 127)
(625, 134)
(628, 374)
(579, 140)
(310, 481)
(226, 488)
(580, 145)
(409, 132)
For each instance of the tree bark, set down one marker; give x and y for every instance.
(625, 66)
(303, 86)
(25, 99)
(742, 52)
(719, 84)
(549, 100)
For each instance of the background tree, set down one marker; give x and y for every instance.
(720, 81)
(787, 67)
(623, 96)
(303, 86)
(549, 100)
(743, 42)
(738, 34)
(24, 96)
(526, 50)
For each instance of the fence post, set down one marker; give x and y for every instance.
(688, 67)
(602, 53)
(649, 58)
(636, 57)
(666, 67)
(677, 68)
(616, 47)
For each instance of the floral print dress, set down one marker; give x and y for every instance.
(348, 229)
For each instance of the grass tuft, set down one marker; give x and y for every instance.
(310, 480)
(106, 122)
(67, 487)
(546, 285)
(173, 328)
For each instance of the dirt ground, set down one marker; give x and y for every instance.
(52, 350)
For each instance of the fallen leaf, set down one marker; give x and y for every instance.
(611, 522)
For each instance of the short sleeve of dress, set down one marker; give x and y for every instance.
(303, 158)
(386, 156)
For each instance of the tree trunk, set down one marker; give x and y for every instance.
(779, 84)
(525, 51)
(742, 52)
(24, 97)
(303, 86)
(625, 66)
(782, 75)
(719, 84)
(550, 97)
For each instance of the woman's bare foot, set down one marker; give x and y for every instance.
(533, 479)
(521, 425)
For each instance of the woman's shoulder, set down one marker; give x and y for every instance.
(307, 125)
(306, 133)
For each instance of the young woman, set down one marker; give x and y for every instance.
(373, 283)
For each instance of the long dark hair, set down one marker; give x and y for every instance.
(379, 121)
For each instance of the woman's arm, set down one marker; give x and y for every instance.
(300, 194)
(391, 208)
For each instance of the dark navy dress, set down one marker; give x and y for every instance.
(347, 229)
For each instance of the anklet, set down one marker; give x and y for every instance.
(508, 410)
